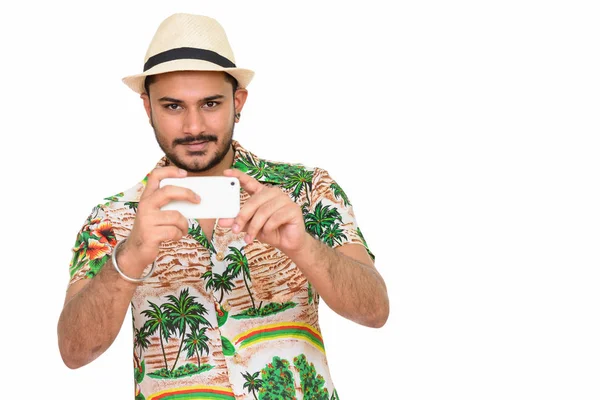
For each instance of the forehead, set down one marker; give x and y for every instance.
(190, 83)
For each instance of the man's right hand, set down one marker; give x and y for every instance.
(153, 226)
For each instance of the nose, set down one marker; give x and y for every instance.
(194, 122)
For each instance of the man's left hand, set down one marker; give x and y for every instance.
(269, 215)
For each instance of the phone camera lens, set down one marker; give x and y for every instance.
(232, 183)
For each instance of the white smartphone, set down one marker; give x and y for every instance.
(219, 196)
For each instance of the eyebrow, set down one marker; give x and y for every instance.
(204, 100)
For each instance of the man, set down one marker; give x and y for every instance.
(221, 308)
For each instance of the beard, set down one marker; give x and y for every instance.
(198, 161)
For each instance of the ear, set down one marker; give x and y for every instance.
(146, 99)
(239, 99)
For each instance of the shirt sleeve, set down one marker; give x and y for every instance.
(93, 246)
(329, 216)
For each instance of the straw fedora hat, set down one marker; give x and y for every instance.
(186, 42)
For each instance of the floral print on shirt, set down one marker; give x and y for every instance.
(219, 318)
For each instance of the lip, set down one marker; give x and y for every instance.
(196, 146)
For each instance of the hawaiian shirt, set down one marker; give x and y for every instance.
(219, 318)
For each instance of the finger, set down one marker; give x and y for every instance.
(264, 212)
(226, 222)
(248, 183)
(247, 211)
(171, 218)
(170, 233)
(169, 193)
(183, 225)
(282, 216)
(157, 175)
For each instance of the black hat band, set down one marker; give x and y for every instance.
(188, 53)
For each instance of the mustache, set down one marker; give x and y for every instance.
(191, 139)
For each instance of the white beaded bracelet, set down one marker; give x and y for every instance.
(127, 278)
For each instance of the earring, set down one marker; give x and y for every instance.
(237, 117)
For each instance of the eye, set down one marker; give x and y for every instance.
(172, 106)
(211, 104)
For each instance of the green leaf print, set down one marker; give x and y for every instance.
(339, 192)
(132, 205)
(333, 234)
(260, 170)
(184, 312)
(269, 309)
(228, 348)
(278, 381)
(299, 179)
(97, 264)
(196, 343)
(222, 315)
(196, 232)
(181, 371)
(141, 340)
(115, 197)
(139, 374)
(239, 264)
(223, 283)
(321, 218)
(253, 383)
(159, 320)
(178, 316)
(311, 383)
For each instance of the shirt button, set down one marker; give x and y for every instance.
(220, 256)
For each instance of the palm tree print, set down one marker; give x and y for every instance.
(217, 282)
(259, 171)
(298, 179)
(141, 339)
(184, 311)
(292, 176)
(177, 317)
(158, 320)
(239, 264)
(322, 217)
(196, 343)
(333, 234)
(196, 232)
(253, 383)
(133, 205)
(339, 192)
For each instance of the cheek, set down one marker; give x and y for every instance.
(167, 124)
(219, 122)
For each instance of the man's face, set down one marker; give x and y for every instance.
(193, 114)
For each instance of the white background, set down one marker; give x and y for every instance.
(465, 133)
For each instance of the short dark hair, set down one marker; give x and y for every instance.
(151, 78)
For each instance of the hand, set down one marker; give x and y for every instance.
(269, 215)
(153, 226)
